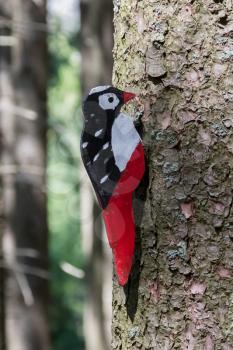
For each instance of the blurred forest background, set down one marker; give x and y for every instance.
(55, 268)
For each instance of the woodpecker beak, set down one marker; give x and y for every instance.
(127, 96)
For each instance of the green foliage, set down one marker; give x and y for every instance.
(67, 293)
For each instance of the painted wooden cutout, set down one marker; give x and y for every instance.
(113, 156)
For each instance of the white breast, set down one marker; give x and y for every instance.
(125, 139)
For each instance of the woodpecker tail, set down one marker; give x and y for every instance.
(120, 227)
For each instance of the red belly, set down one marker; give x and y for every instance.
(118, 215)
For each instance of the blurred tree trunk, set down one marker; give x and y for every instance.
(178, 57)
(97, 42)
(23, 124)
(2, 311)
(4, 57)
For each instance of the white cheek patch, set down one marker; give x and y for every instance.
(108, 101)
(98, 89)
(125, 139)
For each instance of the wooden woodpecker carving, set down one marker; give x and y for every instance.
(113, 156)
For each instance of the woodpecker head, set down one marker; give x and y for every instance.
(108, 98)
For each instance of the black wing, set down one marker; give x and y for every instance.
(97, 154)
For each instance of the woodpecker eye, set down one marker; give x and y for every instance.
(108, 101)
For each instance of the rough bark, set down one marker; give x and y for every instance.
(178, 57)
(23, 126)
(97, 43)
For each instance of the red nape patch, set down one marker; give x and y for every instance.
(118, 215)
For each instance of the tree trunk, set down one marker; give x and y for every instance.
(2, 304)
(97, 42)
(4, 57)
(178, 57)
(2, 313)
(23, 124)
(2, 308)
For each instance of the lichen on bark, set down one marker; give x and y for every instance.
(178, 57)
